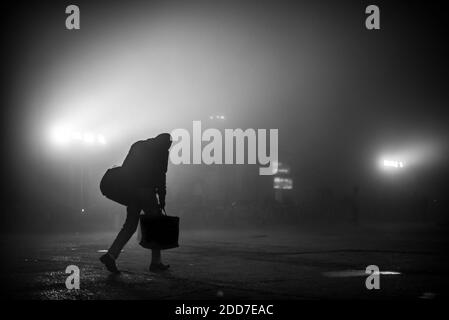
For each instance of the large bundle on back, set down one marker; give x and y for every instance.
(115, 186)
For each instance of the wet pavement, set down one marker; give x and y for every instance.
(268, 263)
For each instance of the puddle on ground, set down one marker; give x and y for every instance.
(428, 295)
(356, 273)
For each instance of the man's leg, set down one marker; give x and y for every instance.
(155, 256)
(156, 264)
(152, 208)
(128, 229)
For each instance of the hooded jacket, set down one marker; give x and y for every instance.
(146, 163)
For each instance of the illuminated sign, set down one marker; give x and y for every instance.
(283, 183)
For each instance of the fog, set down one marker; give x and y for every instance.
(343, 99)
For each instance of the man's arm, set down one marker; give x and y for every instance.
(161, 192)
(161, 189)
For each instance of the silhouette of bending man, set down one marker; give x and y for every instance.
(145, 169)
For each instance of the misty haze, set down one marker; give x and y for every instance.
(353, 172)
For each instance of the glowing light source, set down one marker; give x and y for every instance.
(280, 168)
(393, 163)
(101, 139)
(88, 138)
(217, 117)
(62, 135)
(283, 183)
(77, 136)
(357, 273)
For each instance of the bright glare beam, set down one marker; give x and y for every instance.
(64, 135)
(101, 139)
(393, 164)
(60, 135)
(88, 138)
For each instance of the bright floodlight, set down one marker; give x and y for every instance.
(217, 117)
(393, 164)
(88, 138)
(77, 136)
(63, 135)
(101, 139)
(60, 135)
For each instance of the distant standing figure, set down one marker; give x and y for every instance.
(145, 167)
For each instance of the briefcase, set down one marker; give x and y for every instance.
(160, 232)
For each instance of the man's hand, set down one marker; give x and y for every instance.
(162, 203)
